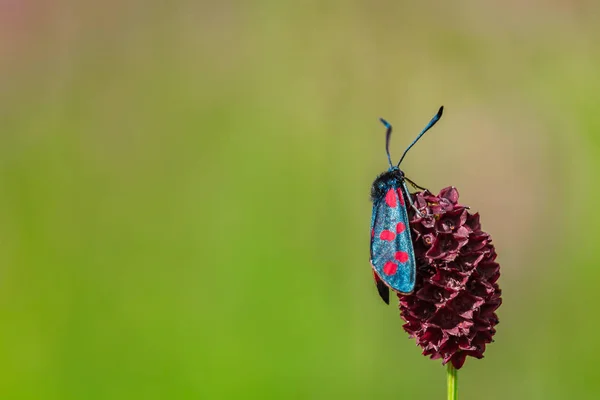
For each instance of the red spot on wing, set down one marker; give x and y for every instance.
(390, 268)
(372, 232)
(387, 235)
(400, 196)
(400, 227)
(401, 256)
(390, 198)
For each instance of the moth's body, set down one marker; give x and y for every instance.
(392, 252)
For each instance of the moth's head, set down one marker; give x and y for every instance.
(393, 177)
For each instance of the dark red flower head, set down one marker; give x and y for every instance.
(451, 312)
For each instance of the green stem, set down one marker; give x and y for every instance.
(452, 380)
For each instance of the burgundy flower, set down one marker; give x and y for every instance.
(451, 312)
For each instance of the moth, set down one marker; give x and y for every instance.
(392, 252)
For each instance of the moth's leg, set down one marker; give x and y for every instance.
(416, 186)
(419, 213)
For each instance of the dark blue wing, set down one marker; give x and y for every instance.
(392, 253)
(382, 288)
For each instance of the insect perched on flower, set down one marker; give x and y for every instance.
(392, 252)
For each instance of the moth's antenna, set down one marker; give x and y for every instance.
(388, 133)
(431, 123)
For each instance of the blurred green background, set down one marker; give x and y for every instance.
(184, 193)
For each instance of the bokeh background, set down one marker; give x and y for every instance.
(184, 193)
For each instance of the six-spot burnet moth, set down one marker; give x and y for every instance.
(392, 252)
